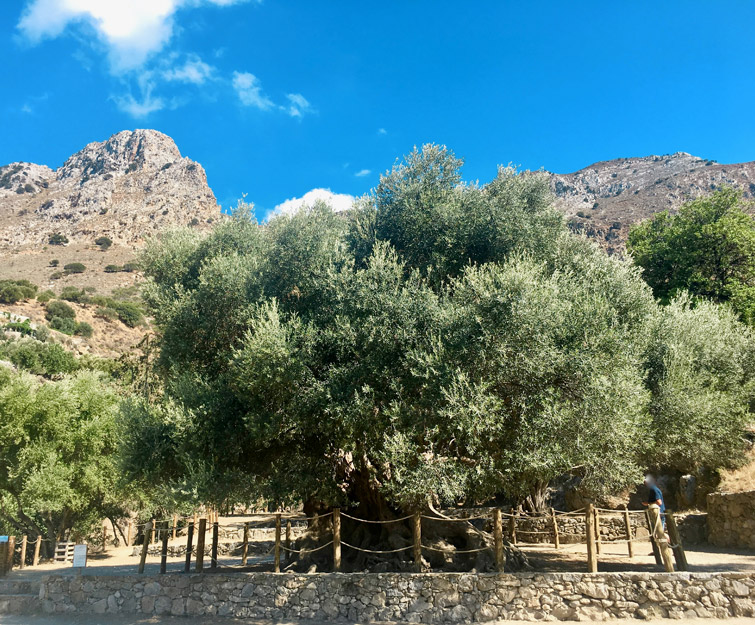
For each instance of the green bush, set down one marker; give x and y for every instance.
(74, 268)
(54, 262)
(12, 291)
(130, 267)
(129, 313)
(56, 275)
(58, 239)
(108, 314)
(63, 324)
(72, 294)
(83, 329)
(56, 308)
(103, 242)
(46, 359)
(113, 268)
(23, 327)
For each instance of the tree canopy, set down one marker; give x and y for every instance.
(441, 342)
(708, 249)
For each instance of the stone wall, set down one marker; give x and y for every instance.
(403, 597)
(731, 519)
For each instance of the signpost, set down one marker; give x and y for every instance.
(79, 557)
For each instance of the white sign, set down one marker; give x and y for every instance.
(79, 556)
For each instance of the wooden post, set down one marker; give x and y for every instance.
(245, 545)
(189, 546)
(417, 531)
(175, 524)
(336, 539)
(199, 566)
(24, 540)
(128, 532)
(214, 552)
(147, 534)
(288, 535)
(656, 550)
(37, 547)
(154, 528)
(512, 528)
(660, 537)
(556, 539)
(278, 543)
(676, 543)
(104, 538)
(628, 530)
(597, 531)
(164, 551)
(592, 556)
(498, 539)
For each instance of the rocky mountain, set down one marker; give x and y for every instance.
(604, 199)
(125, 188)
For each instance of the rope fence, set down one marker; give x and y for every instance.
(667, 548)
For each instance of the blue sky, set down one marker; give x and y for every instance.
(276, 98)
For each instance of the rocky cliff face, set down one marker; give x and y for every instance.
(125, 188)
(604, 199)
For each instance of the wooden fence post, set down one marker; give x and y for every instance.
(676, 543)
(189, 546)
(199, 566)
(245, 544)
(660, 537)
(147, 534)
(597, 531)
(592, 556)
(37, 547)
(556, 539)
(336, 539)
(417, 532)
(104, 538)
(512, 527)
(278, 543)
(628, 530)
(24, 540)
(129, 529)
(175, 524)
(154, 529)
(654, 545)
(164, 551)
(498, 538)
(288, 535)
(214, 552)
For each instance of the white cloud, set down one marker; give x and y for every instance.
(194, 71)
(132, 30)
(249, 90)
(337, 201)
(139, 107)
(382, 131)
(298, 105)
(363, 172)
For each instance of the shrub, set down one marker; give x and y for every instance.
(83, 329)
(57, 275)
(42, 333)
(45, 296)
(63, 324)
(72, 294)
(54, 262)
(23, 327)
(131, 267)
(113, 268)
(56, 308)
(103, 243)
(29, 188)
(194, 222)
(108, 314)
(131, 167)
(12, 291)
(58, 239)
(129, 313)
(74, 268)
(47, 359)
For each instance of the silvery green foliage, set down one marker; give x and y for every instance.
(442, 342)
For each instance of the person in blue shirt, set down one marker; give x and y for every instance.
(655, 496)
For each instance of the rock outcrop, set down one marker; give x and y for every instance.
(604, 199)
(125, 188)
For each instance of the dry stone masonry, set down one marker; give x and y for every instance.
(409, 598)
(731, 519)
